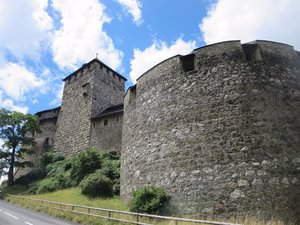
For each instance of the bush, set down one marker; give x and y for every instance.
(85, 163)
(150, 200)
(47, 185)
(97, 185)
(30, 177)
(49, 158)
(33, 188)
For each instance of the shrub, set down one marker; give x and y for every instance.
(97, 185)
(64, 180)
(111, 169)
(49, 158)
(47, 185)
(149, 200)
(85, 163)
(33, 188)
(30, 177)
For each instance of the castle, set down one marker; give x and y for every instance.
(218, 129)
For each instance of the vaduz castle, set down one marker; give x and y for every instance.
(218, 129)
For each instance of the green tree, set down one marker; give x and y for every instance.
(16, 132)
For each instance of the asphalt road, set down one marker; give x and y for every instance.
(15, 215)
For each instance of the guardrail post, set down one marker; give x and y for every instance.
(109, 214)
(137, 218)
(89, 210)
(176, 222)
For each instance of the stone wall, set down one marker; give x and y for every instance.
(45, 138)
(106, 133)
(87, 91)
(219, 129)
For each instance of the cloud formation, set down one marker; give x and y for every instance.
(16, 81)
(10, 105)
(144, 60)
(81, 34)
(250, 20)
(134, 8)
(28, 24)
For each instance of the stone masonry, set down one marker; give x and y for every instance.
(219, 129)
(88, 91)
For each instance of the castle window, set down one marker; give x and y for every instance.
(94, 124)
(85, 89)
(105, 122)
(188, 62)
(46, 142)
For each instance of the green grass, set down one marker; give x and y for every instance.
(14, 190)
(73, 196)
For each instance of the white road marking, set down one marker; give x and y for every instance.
(28, 223)
(12, 216)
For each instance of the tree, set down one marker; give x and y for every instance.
(16, 132)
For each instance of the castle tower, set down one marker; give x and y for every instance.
(219, 130)
(87, 92)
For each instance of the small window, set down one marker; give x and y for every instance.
(105, 122)
(117, 118)
(46, 142)
(94, 124)
(85, 89)
(187, 62)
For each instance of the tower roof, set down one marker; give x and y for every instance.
(114, 109)
(91, 62)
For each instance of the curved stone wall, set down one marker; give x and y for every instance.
(219, 129)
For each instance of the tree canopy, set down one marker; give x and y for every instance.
(17, 134)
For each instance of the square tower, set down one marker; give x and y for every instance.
(87, 91)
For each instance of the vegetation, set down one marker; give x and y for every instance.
(73, 196)
(97, 185)
(99, 174)
(16, 131)
(152, 200)
(85, 163)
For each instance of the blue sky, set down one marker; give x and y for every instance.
(42, 41)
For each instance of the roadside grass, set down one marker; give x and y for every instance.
(73, 196)
(14, 190)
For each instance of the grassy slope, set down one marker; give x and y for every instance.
(73, 196)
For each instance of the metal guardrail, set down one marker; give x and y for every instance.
(111, 214)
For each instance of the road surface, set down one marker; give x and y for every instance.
(15, 215)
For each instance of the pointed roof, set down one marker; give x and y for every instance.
(114, 109)
(91, 62)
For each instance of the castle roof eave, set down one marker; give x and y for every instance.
(47, 110)
(112, 110)
(89, 63)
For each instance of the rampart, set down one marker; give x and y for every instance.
(219, 129)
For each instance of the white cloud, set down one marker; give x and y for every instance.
(81, 34)
(134, 8)
(249, 20)
(157, 52)
(10, 105)
(58, 95)
(24, 27)
(16, 80)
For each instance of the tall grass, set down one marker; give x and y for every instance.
(73, 196)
